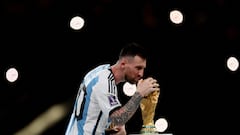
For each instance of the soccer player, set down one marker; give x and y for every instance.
(97, 109)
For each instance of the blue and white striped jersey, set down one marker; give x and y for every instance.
(96, 98)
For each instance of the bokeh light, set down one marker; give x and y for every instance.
(77, 23)
(129, 89)
(12, 74)
(161, 124)
(176, 16)
(232, 63)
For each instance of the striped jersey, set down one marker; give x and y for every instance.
(96, 98)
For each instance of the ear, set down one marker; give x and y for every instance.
(123, 61)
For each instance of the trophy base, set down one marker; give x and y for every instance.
(154, 134)
(150, 129)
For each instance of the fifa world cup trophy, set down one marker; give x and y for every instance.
(148, 106)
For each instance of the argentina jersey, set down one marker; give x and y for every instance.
(96, 98)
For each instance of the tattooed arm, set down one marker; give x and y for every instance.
(122, 115)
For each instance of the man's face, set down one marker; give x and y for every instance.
(134, 69)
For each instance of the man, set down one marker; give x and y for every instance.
(97, 110)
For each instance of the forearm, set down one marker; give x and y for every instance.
(122, 115)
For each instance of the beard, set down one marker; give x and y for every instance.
(131, 80)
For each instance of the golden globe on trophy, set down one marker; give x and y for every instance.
(148, 106)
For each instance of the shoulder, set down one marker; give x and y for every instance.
(101, 70)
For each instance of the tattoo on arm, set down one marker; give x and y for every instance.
(122, 115)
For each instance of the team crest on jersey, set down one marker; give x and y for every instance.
(112, 100)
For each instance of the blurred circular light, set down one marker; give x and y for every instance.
(161, 124)
(76, 23)
(176, 16)
(12, 75)
(232, 63)
(129, 89)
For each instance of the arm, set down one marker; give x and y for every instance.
(144, 88)
(122, 115)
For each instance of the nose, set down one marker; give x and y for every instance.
(140, 73)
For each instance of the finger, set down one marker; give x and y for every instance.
(140, 81)
(155, 85)
(151, 80)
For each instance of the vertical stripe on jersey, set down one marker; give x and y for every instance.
(80, 102)
(87, 102)
(95, 128)
(111, 88)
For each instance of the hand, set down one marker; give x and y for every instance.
(147, 86)
(121, 130)
(115, 130)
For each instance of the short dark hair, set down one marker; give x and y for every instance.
(133, 49)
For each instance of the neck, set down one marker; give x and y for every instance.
(117, 72)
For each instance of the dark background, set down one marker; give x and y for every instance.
(198, 93)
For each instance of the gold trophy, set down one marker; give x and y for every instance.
(148, 106)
